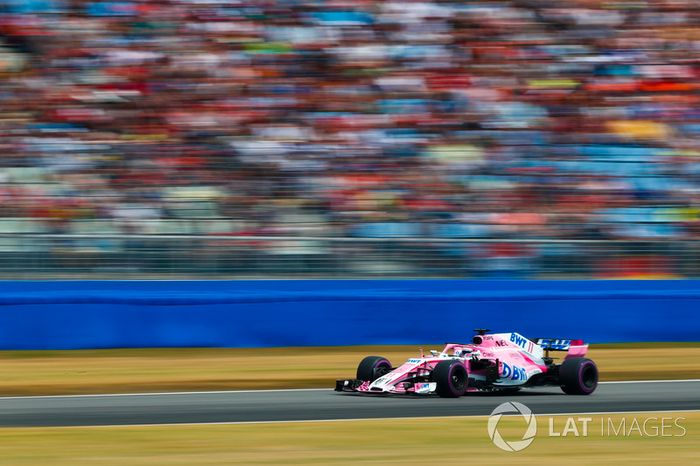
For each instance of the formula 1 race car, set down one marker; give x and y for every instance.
(492, 362)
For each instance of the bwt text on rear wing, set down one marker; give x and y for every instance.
(574, 348)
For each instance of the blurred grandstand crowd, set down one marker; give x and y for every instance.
(525, 119)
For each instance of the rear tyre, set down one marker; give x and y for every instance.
(578, 376)
(373, 367)
(451, 379)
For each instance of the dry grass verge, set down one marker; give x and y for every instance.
(456, 440)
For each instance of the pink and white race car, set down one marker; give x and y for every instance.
(492, 362)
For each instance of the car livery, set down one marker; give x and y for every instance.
(526, 345)
(491, 362)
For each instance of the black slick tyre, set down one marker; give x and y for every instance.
(373, 367)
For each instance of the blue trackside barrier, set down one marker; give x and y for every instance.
(107, 314)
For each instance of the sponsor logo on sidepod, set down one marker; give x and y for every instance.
(513, 372)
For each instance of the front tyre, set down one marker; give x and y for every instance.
(451, 379)
(578, 376)
(373, 367)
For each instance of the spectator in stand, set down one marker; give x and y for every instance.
(446, 119)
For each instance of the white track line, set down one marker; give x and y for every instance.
(207, 392)
(204, 392)
(306, 421)
(652, 381)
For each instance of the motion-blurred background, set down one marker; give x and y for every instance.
(508, 139)
(156, 154)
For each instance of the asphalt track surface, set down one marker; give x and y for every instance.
(301, 405)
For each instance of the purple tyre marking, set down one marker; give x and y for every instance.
(581, 371)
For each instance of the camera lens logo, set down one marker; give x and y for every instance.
(512, 407)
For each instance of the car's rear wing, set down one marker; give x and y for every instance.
(573, 348)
